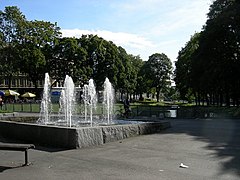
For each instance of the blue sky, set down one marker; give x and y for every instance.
(142, 27)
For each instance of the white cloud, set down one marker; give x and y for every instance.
(132, 43)
(190, 17)
(165, 26)
(126, 40)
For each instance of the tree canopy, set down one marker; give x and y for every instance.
(12, 25)
(158, 70)
(214, 64)
(35, 47)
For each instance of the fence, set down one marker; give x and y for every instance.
(21, 107)
(208, 112)
(138, 110)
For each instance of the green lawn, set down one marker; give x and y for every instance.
(35, 108)
(137, 108)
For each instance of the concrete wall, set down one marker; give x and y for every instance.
(65, 137)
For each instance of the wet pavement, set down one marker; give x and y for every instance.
(210, 148)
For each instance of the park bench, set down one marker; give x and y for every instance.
(17, 147)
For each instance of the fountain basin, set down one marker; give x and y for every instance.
(74, 138)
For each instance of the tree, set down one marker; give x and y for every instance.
(68, 58)
(216, 62)
(158, 69)
(184, 67)
(36, 47)
(33, 63)
(38, 35)
(123, 68)
(128, 70)
(103, 58)
(106, 63)
(136, 64)
(12, 25)
(22, 44)
(142, 85)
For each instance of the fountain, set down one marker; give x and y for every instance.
(67, 101)
(46, 105)
(85, 100)
(90, 100)
(70, 134)
(108, 100)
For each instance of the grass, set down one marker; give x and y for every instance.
(4, 111)
(35, 108)
(22, 107)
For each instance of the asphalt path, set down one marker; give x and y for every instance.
(210, 148)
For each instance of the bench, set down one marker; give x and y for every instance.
(17, 147)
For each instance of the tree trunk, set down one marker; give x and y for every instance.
(221, 99)
(227, 99)
(207, 100)
(158, 94)
(195, 96)
(9, 82)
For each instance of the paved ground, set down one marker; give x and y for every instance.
(211, 149)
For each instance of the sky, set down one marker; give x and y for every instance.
(141, 27)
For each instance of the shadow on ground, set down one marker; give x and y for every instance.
(37, 147)
(4, 168)
(222, 136)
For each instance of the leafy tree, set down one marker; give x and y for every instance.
(216, 62)
(102, 58)
(22, 44)
(142, 85)
(12, 24)
(68, 58)
(184, 67)
(36, 47)
(106, 63)
(33, 63)
(38, 35)
(123, 67)
(128, 70)
(136, 64)
(158, 69)
(127, 86)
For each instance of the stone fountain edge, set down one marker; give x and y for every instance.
(74, 138)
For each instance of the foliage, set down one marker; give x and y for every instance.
(38, 35)
(214, 64)
(67, 58)
(184, 67)
(157, 72)
(35, 47)
(218, 54)
(11, 27)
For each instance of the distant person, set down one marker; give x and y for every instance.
(127, 106)
(1, 102)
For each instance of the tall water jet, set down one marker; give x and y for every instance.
(85, 100)
(108, 100)
(67, 100)
(46, 105)
(90, 99)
